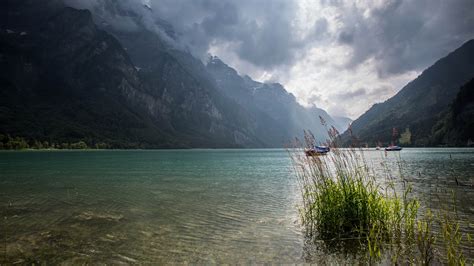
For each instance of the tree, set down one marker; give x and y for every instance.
(405, 137)
(79, 145)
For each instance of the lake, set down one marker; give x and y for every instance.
(197, 206)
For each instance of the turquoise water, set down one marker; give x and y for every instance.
(199, 206)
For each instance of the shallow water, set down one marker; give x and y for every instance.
(199, 206)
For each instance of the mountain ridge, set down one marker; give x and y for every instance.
(154, 95)
(418, 104)
(272, 102)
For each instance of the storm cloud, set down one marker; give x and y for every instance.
(322, 51)
(405, 35)
(260, 32)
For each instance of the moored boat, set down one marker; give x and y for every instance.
(317, 150)
(393, 148)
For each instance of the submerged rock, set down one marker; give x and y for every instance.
(89, 215)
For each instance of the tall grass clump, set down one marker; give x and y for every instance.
(345, 200)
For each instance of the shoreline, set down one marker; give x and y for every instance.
(209, 149)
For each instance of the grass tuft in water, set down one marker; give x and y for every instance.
(342, 199)
(345, 199)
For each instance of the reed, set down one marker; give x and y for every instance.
(345, 199)
(342, 198)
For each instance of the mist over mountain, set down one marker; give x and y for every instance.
(276, 111)
(418, 107)
(274, 115)
(342, 123)
(110, 75)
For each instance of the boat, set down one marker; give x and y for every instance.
(377, 148)
(317, 150)
(393, 148)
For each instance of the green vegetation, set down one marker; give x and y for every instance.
(9, 143)
(405, 137)
(346, 202)
(455, 127)
(18, 143)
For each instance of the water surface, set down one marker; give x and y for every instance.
(181, 205)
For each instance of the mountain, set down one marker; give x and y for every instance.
(64, 79)
(341, 123)
(456, 126)
(279, 116)
(70, 75)
(415, 109)
(271, 113)
(53, 60)
(187, 94)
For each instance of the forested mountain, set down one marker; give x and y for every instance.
(52, 69)
(72, 81)
(417, 107)
(456, 125)
(68, 75)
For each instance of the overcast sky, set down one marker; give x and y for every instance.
(342, 56)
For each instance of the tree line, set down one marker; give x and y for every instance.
(8, 142)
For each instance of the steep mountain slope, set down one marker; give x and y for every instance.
(342, 123)
(189, 99)
(65, 79)
(72, 81)
(51, 72)
(417, 106)
(456, 125)
(277, 112)
(270, 113)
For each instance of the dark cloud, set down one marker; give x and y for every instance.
(350, 95)
(405, 35)
(260, 32)
(354, 48)
(400, 35)
(346, 37)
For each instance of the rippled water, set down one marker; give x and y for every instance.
(180, 205)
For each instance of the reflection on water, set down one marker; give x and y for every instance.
(182, 206)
